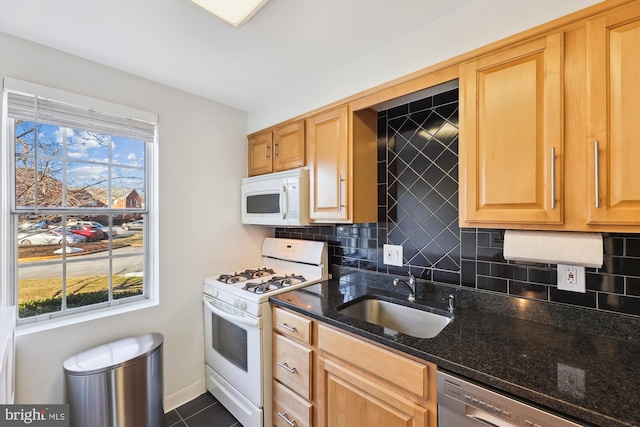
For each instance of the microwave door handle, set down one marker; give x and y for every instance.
(230, 317)
(284, 201)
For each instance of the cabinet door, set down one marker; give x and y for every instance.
(260, 149)
(350, 399)
(511, 135)
(613, 72)
(327, 139)
(288, 147)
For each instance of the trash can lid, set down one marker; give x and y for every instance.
(113, 354)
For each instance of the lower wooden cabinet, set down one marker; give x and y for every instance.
(293, 369)
(352, 399)
(363, 384)
(324, 377)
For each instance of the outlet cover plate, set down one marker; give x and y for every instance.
(392, 255)
(571, 278)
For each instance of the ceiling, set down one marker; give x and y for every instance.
(286, 46)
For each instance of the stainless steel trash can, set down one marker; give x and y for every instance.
(118, 384)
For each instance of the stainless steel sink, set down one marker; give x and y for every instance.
(396, 317)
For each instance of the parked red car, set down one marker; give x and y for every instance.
(89, 231)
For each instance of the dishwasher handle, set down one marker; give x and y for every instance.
(486, 419)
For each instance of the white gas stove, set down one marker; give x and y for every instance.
(238, 326)
(286, 264)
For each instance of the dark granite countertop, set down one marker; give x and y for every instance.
(590, 378)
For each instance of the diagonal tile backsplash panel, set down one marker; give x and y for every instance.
(418, 209)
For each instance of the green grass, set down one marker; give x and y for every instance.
(33, 289)
(37, 296)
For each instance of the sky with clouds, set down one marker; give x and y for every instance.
(86, 157)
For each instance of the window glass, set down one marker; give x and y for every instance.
(71, 188)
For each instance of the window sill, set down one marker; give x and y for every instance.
(45, 325)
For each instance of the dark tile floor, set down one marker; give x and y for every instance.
(204, 410)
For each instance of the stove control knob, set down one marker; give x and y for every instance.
(242, 305)
(214, 293)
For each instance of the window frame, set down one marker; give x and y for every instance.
(9, 228)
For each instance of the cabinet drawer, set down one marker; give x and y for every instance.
(287, 404)
(292, 365)
(292, 325)
(401, 371)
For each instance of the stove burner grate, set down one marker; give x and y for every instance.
(275, 282)
(260, 288)
(245, 275)
(288, 280)
(231, 278)
(260, 272)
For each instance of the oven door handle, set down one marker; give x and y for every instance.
(231, 318)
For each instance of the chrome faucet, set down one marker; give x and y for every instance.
(450, 302)
(411, 285)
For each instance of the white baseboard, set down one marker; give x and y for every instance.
(183, 396)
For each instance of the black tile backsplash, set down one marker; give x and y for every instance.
(418, 209)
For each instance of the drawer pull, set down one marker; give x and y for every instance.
(285, 366)
(287, 327)
(292, 423)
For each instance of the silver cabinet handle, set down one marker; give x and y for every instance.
(285, 326)
(596, 172)
(286, 367)
(267, 148)
(553, 177)
(286, 419)
(275, 149)
(342, 180)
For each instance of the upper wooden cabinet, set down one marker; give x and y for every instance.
(277, 150)
(549, 130)
(341, 147)
(511, 135)
(613, 84)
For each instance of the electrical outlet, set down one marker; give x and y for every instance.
(392, 255)
(571, 278)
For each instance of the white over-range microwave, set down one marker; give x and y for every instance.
(278, 199)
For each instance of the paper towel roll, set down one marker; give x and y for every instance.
(554, 247)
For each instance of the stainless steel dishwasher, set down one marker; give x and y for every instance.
(463, 404)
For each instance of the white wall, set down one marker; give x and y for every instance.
(203, 156)
(479, 23)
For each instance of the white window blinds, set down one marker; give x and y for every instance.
(29, 101)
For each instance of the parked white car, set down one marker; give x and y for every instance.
(135, 225)
(49, 237)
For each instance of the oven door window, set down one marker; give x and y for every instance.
(263, 203)
(229, 340)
